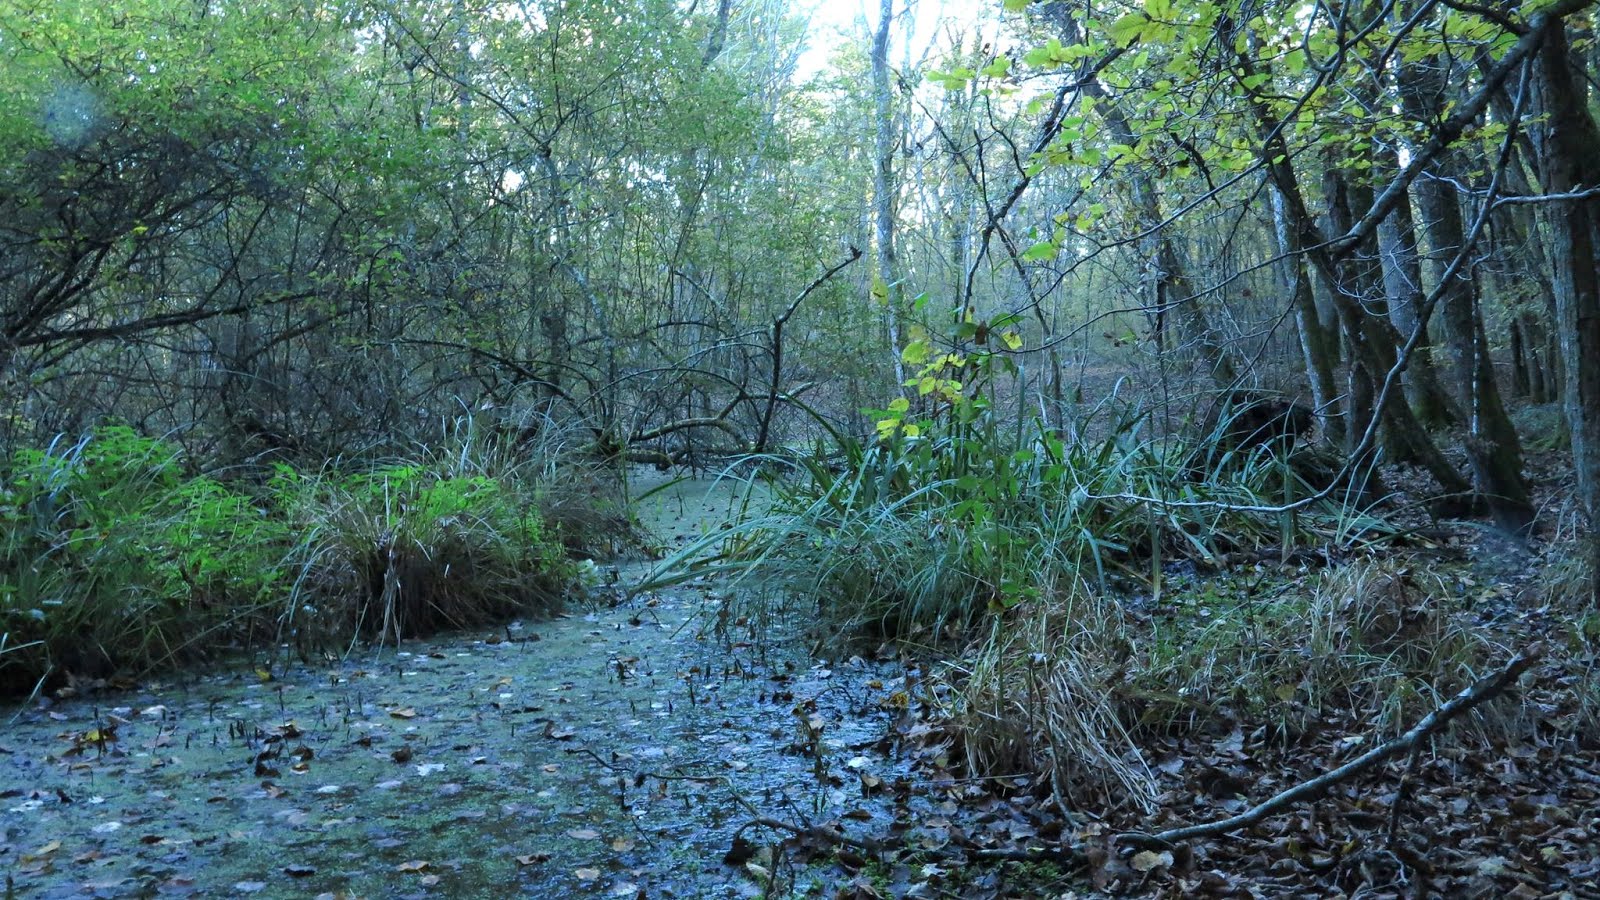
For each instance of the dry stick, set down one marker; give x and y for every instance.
(1483, 689)
(831, 835)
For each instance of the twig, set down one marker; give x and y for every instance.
(1400, 794)
(831, 835)
(1481, 690)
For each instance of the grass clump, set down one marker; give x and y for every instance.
(406, 550)
(116, 558)
(951, 517)
(1076, 685)
(110, 553)
(963, 507)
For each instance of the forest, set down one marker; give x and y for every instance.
(849, 449)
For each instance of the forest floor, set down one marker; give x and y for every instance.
(665, 747)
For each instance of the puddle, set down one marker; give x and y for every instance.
(606, 753)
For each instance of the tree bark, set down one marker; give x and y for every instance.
(883, 185)
(1493, 450)
(1319, 345)
(1565, 139)
(1402, 281)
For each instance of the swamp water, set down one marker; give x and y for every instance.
(611, 753)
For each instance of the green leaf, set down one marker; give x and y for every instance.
(1043, 251)
(1000, 68)
(1124, 31)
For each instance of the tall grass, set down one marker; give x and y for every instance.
(925, 532)
(1076, 686)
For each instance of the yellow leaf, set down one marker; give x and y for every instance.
(1146, 860)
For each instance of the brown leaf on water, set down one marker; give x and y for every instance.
(740, 853)
(402, 754)
(414, 865)
(404, 712)
(534, 858)
(299, 871)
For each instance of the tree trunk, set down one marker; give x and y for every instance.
(883, 186)
(1493, 450)
(1565, 140)
(1319, 345)
(1372, 340)
(1402, 281)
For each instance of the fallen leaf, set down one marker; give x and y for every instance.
(415, 865)
(405, 712)
(533, 859)
(1147, 860)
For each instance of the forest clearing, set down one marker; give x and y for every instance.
(743, 448)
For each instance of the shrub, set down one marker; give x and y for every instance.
(954, 511)
(112, 557)
(115, 559)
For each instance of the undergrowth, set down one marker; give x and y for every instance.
(1078, 685)
(1035, 554)
(961, 506)
(116, 558)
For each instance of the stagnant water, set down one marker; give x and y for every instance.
(612, 752)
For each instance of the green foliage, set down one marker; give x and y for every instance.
(114, 558)
(961, 508)
(109, 552)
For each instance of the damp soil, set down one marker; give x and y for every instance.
(618, 750)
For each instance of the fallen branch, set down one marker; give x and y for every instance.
(1481, 690)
